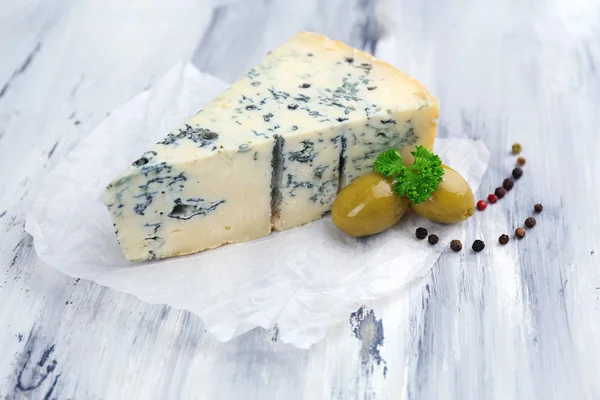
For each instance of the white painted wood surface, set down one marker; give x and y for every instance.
(520, 321)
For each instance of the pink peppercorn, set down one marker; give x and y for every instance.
(481, 205)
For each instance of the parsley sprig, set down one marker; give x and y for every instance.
(417, 181)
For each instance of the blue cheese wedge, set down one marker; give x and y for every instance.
(271, 152)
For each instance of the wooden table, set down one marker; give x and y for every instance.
(519, 321)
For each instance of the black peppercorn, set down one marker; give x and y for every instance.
(517, 173)
(538, 208)
(530, 222)
(433, 239)
(421, 233)
(304, 86)
(456, 245)
(520, 233)
(478, 245)
(500, 192)
(503, 239)
(508, 184)
(521, 161)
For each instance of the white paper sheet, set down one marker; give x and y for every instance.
(303, 280)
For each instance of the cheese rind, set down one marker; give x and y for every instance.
(272, 151)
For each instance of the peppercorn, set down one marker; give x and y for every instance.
(521, 161)
(503, 239)
(516, 148)
(421, 233)
(478, 245)
(508, 184)
(433, 239)
(492, 198)
(500, 192)
(456, 246)
(530, 222)
(517, 173)
(520, 233)
(538, 208)
(481, 205)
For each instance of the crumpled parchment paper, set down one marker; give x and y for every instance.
(302, 280)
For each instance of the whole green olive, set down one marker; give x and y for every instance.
(367, 206)
(452, 202)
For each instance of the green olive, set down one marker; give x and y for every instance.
(452, 202)
(367, 206)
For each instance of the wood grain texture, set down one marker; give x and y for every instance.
(519, 321)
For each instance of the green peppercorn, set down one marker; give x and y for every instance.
(516, 148)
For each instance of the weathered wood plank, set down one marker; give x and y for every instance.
(512, 322)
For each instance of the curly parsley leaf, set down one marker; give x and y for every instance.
(418, 181)
(389, 163)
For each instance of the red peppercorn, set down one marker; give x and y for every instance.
(492, 198)
(481, 205)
